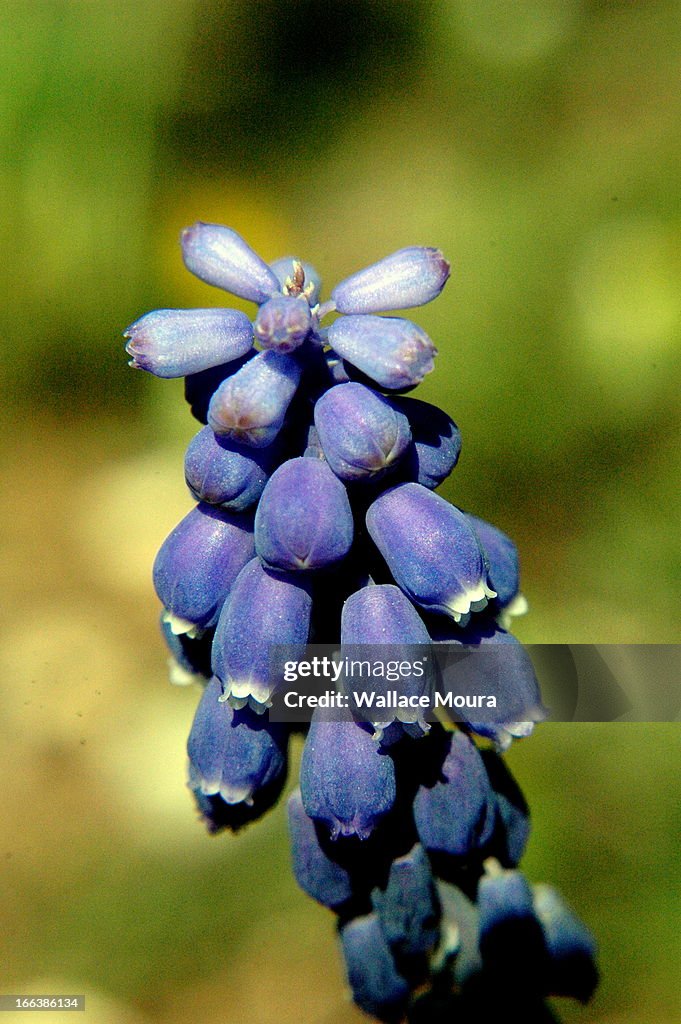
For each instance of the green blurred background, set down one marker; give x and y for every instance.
(537, 143)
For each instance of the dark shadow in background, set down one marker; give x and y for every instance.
(268, 79)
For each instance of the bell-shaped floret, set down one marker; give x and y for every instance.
(178, 342)
(512, 829)
(303, 519)
(454, 810)
(461, 958)
(237, 761)
(263, 608)
(498, 667)
(219, 256)
(431, 550)
(362, 433)
(317, 874)
(406, 278)
(198, 563)
(221, 472)
(383, 615)
(501, 554)
(347, 783)
(511, 940)
(572, 948)
(376, 984)
(408, 908)
(393, 352)
(249, 407)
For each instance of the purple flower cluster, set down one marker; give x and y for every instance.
(317, 521)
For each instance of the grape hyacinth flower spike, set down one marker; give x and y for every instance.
(317, 522)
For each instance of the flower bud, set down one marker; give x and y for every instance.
(178, 342)
(250, 406)
(219, 256)
(376, 984)
(346, 782)
(499, 667)
(408, 908)
(393, 352)
(431, 550)
(436, 442)
(287, 270)
(501, 554)
(362, 434)
(408, 277)
(571, 946)
(316, 873)
(263, 608)
(199, 561)
(383, 615)
(303, 519)
(235, 757)
(511, 940)
(513, 815)
(461, 926)
(454, 809)
(222, 473)
(200, 387)
(283, 323)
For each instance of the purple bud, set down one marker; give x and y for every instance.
(219, 256)
(408, 277)
(393, 352)
(377, 986)
(222, 473)
(454, 813)
(408, 908)
(499, 667)
(283, 323)
(200, 387)
(436, 442)
(431, 550)
(383, 615)
(235, 758)
(178, 342)
(297, 277)
(513, 814)
(346, 782)
(263, 608)
(303, 519)
(460, 919)
(250, 406)
(316, 873)
(361, 432)
(199, 561)
(503, 570)
(571, 946)
(511, 941)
